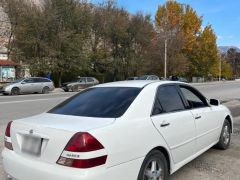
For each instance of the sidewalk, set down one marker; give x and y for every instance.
(57, 90)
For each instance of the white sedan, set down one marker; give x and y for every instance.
(131, 130)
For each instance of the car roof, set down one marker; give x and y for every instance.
(136, 83)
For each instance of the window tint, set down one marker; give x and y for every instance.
(90, 79)
(82, 80)
(105, 102)
(29, 80)
(157, 107)
(195, 99)
(167, 100)
(44, 80)
(154, 78)
(37, 80)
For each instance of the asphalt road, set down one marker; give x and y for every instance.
(228, 90)
(15, 107)
(208, 166)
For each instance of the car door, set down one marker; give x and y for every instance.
(90, 81)
(206, 119)
(82, 83)
(174, 122)
(27, 85)
(38, 85)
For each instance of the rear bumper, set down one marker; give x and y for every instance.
(22, 168)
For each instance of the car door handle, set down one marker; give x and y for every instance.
(198, 117)
(165, 124)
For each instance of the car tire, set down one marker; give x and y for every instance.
(154, 166)
(225, 137)
(45, 90)
(15, 91)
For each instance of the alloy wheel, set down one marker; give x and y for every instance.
(226, 135)
(154, 171)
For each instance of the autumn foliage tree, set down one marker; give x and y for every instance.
(190, 49)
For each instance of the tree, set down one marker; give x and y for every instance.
(180, 25)
(205, 53)
(190, 49)
(233, 58)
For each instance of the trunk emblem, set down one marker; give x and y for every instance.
(31, 131)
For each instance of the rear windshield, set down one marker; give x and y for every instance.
(105, 102)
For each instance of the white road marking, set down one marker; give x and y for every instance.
(23, 101)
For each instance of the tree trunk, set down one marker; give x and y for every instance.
(59, 79)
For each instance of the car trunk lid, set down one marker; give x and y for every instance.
(45, 136)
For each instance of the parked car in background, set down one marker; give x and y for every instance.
(141, 130)
(148, 77)
(176, 78)
(28, 86)
(79, 83)
(132, 78)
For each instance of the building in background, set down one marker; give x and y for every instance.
(7, 67)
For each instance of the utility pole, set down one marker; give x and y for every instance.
(165, 60)
(220, 68)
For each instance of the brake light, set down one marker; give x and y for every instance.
(83, 142)
(7, 139)
(7, 132)
(79, 146)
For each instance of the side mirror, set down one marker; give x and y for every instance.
(214, 102)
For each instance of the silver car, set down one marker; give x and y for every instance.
(28, 85)
(148, 77)
(79, 83)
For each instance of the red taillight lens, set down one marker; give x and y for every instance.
(83, 142)
(7, 139)
(82, 163)
(8, 129)
(79, 144)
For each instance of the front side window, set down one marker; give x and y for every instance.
(104, 102)
(82, 80)
(167, 100)
(194, 98)
(30, 80)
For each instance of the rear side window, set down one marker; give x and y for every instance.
(41, 80)
(45, 80)
(167, 100)
(90, 79)
(105, 102)
(154, 78)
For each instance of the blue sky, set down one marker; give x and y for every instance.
(223, 15)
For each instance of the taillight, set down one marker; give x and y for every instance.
(7, 139)
(78, 146)
(82, 163)
(83, 142)
(7, 132)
